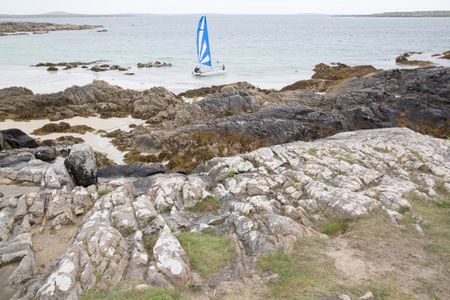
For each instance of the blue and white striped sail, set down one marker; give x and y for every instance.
(203, 50)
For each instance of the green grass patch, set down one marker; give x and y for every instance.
(208, 253)
(346, 157)
(412, 196)
(230, 174)
(303, 272)
(334, 227)
(149, 242)
(423, 190)
(98, 275)
(405, 245)
(443, 204)
(380, 292)
(425, 169)
(307, 273)
(312, 151)
(440, 188)
(437, 228)
(207, 204)
(104, 192)
(403, 210)
(126, 231)
(382, 149)
(432, 248)
(408, 219)
(429, 288)
(120, 294)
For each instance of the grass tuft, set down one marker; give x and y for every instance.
(432, 248)
(208, 253)
(149, 242)
(104, 192)
(120, 294)
(307, 272)
(346, 157)
(382, 149)
(312, 151)
(334, 227)
(412, 196)
(126, 231)
(230, 174)
(425, 169)
(441, 189)
(207, 204)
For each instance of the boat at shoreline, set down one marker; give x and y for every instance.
(204, 53)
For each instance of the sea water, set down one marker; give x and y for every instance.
(268, 51)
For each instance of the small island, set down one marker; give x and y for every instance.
(16, 28)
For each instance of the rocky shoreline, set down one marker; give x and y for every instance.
(259, 202)
(239, 117)
(14, 28)
(223, 191)
(99, 66)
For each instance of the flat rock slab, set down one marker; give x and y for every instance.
(9, 191)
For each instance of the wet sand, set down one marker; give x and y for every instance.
(98, 143)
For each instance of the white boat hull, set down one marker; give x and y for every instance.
(210, 73)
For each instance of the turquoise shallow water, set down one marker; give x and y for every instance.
(269, 51)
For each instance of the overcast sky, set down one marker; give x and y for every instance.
(219, 6)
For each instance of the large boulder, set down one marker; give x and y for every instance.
(15, 138)
(81, 164)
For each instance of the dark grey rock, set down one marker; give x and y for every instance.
(16, 138)
(81, 164)
(46, 154)
(13, 160)
(136, 170)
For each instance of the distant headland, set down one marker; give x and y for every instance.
(62, 14)
(406, 14)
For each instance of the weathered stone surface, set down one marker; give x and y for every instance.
(57, 176)
(19, 250)
(264, 200)
(171, 259)
(81, 165)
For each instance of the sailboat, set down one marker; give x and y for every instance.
(204, 52)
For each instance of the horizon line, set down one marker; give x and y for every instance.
(63, 13)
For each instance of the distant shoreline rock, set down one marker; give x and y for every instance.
(72, 64)
(62, 127)
(156, 64)
(404, 60)
(84, 65)
(23, 28)
(445, 55)
(326, 76)
(406, 14)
